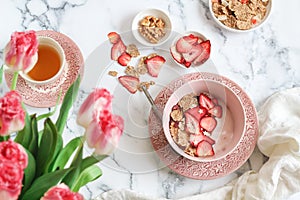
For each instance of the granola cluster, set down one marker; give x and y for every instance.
(240, 14)
(152, 29)
(177, 123)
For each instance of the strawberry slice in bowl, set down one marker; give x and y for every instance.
(190, 49)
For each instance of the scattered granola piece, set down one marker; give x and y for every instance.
(146, 84)
(113, 73)
(141, 67)
(130, 70)
(151, 55)
(132, 50)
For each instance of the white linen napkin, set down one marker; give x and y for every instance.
(279, 177)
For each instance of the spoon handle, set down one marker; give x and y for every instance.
(150, 99)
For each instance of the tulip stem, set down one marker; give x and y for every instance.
(14, 81)
(4, 138)
(46, 115)
(1, 73)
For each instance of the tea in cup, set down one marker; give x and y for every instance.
(50, 63)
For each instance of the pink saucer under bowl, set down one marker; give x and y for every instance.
(43, 96)
(238, 111)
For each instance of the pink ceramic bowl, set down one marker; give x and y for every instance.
(232, 128)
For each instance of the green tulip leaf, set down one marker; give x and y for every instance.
(73, 175)
(67, 103)
(24, 136)
(33, 144)
(90, 160)
(88, 175)
(47, 147)
(44, 183)
(66, 153)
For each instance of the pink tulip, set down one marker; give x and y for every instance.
(11, 151)
(98, 100)
(21, 51)
(61, 192)
(12, 115)
(104, 132)
(10, 180)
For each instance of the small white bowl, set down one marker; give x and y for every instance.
(200, 35)
(260, 24)
(156, 13)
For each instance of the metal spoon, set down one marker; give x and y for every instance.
(150, 99)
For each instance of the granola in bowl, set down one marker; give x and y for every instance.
(192, 122)
(151, 27)
(240, 15)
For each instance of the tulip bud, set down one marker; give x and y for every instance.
(20, 54)
(98, 100)
(12, 115)
(60, 192)
(103, 133)
(11, 151)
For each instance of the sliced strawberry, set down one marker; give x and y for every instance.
(244, 1)
(117, 49)
(191, 38)
(197, 112)
(176, 55)
(208, 123)
(176, 107)
(130, 83)
(205, 101)
(187, 64)
(154, 65)
(191, 123)
(195, 139)
(205, 53)
(204, 148)
(193, 53)
(216, 111)
(185, 44)
(124, 59)
(113, 37)
(215, 101)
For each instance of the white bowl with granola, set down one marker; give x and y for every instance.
(151, 27)
(240, 15)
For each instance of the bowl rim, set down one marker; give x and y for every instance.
(266, 18)
(212, 169)
(166, 116)
(143, 13)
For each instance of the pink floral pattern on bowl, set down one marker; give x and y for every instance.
(44, 96)
(209, 169)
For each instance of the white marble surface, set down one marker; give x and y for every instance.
(261, 62)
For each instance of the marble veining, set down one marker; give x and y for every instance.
(261, 62)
